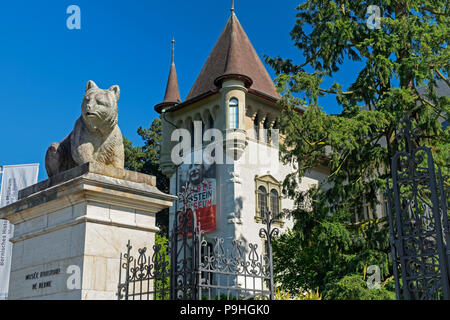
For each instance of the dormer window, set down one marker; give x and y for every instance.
(234, 113)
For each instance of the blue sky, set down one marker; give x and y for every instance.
(44, 66)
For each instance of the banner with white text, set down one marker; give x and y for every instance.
(14, 178)
(199, 180)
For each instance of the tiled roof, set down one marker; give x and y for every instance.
(233, 56)
(172, 95)
(172, 90)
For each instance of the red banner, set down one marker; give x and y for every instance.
(199, 184)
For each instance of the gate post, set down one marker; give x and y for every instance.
(419, 231)
(269, 233)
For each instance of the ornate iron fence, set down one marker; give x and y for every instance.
(239, 272)
(146, 278)
(198, 269)
(418, 219)
(233, 274)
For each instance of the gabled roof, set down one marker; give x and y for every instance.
(233, 56)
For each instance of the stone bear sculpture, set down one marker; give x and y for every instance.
(96, 137)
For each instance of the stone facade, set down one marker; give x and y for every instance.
(76, 224)
(237, 213)
(234, 73)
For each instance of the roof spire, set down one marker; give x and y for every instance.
(173, 51)
(172, 95)
(232, 6)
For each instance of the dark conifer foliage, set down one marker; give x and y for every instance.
(405, 64)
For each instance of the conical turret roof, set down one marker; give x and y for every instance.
(233, 56)
(172, 95)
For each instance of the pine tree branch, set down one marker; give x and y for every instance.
(300, 133)
(442, 76)
(367, 54)
(434, 11)
(340, 165)
(334, 92)
(423, 100)
(309, 60)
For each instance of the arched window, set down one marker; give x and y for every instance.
(203, 131)
(274, 203)
(262, 200)
(274, 133)
(234, 113)
(211, 122)
(276, 124)
(191, 131)
(268, 198)
(266, 132)
(256, 127)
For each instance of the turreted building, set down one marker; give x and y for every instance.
(235, 95)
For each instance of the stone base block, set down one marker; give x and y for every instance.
(70, 230)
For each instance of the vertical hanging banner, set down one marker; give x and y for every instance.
(200, 180)
(14, 179)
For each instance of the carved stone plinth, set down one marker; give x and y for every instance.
(70, 231)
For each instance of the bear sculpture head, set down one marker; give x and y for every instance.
(99, 110)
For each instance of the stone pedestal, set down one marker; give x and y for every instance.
(70, 231)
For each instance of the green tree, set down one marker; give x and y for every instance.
(403, 62)
(162, 282)
(146, 159)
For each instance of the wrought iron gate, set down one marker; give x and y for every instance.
(419, 228)
(190, 268)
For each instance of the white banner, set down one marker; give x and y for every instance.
(14, 179)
